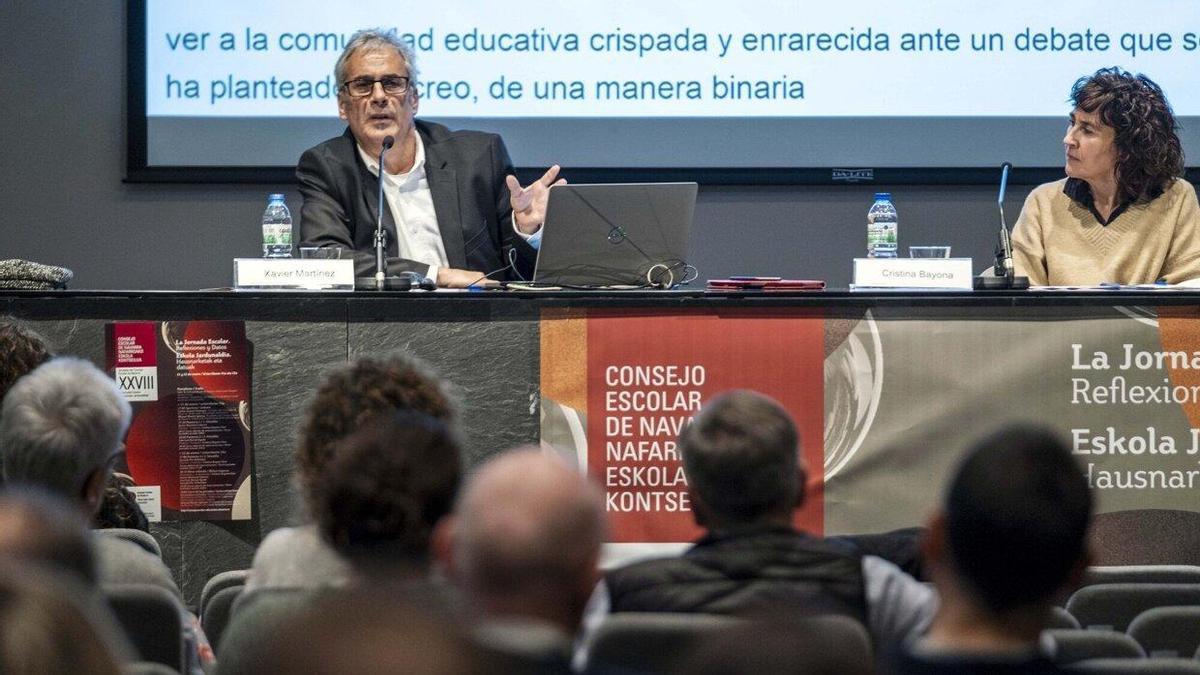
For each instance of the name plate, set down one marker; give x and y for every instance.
(310, 274)
(912, 273)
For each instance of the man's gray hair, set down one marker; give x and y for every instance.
(59, 424)
(372, 40)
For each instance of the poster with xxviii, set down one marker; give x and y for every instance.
(189, 447)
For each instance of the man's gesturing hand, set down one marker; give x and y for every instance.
(529, 203)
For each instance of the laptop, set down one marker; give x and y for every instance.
(616, 234)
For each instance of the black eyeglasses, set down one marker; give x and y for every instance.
(393, 85)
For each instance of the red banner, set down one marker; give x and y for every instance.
(646, 375)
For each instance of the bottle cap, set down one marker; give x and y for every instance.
(882, 196)
(275, 197)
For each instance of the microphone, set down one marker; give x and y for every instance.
(1004, 271)
(382, 282)
(1004, 263)
(380, 234)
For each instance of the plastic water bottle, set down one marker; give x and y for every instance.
(881, 227)
(277, 229)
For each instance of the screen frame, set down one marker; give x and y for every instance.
(138, 170)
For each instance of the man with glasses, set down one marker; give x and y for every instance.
(453, 211)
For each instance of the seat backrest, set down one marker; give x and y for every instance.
(143, 539)
(1141, 574)
(652, 641)
(1061, 618)
(1113, 606)
(684, 642)
(256, 616)
(1167, 631)
(218, 612)
(1065, 646)
(152, 619)
(219, 581)
(1135, 667)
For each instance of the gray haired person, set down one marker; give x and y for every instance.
(465, 216)
(62, 427)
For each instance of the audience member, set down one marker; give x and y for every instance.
(384, 490)
(352, 394)
(359, 631)
(23, 351)
(38, 528)
(61, 428)
(741, 457)
(118, 507)
(1010, 535)
(46, 549)
(46, 629)
(523, 546)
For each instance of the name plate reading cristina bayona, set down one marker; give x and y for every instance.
(293, 273)
(949, 273)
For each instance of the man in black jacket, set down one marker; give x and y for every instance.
(741, 457)
(453, 211)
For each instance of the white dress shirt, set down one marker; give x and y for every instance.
(411, 203)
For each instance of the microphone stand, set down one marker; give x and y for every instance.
(381, 281)
(1005, 274)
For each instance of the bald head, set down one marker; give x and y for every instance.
(528, 528)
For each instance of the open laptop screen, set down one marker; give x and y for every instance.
(617, 234)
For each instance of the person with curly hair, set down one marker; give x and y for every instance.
(386, 488)
(1124, 213)
(349, 398)
(21, 350)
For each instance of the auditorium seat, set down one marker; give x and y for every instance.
(218, 612)
(143, 539)
(681, 642)
(1114, 606)
(218, 582)
(152, 619)
(1142, 574)
(1135, 667)
(1168, 631)
(256, 616)
(652, 641)
(1061, 618)
(1066, 646)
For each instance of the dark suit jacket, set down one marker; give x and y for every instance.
(466, 171)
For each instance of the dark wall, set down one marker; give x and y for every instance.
(62, 200)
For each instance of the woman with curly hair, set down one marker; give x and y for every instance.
(1124, 213)
(350, 397)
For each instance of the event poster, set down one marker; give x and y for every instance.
(189, 447)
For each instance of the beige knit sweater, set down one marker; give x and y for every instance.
(1058, 242)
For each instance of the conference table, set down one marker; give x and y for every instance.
(888, 388)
